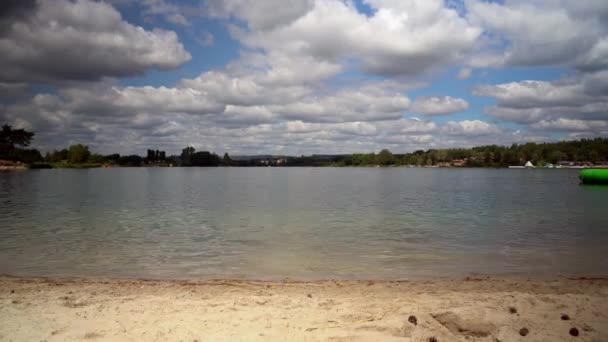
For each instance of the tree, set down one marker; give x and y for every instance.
(78, 154)
(205, 158)
(28, 156)
(226, 160)
(385, 157)
(97, 158)
(556, 156)
(10, 138)
(594, 156)
(131, 160)
(187, 154)
(487, 158)
(57, 156)
(112, 158)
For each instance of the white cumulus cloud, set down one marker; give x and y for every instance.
(439, 105)
(82, 40)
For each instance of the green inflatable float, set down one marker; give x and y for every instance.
(594, 176)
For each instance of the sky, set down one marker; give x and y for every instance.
(299, 77)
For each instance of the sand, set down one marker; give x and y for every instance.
(435, 310)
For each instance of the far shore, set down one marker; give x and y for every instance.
(101, 166)
(471, 309)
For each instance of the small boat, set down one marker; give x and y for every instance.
(594, 176)
(528, 165)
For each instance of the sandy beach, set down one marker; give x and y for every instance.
(36, 309)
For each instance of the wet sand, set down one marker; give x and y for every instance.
(35, 309)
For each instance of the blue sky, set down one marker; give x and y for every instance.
(303, 76)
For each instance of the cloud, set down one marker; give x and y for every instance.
(399, 38)
(354, 128)
(278, 69)
(407, 126)
(527, 94)
(262, 15)
(435, 105)
(362, 104)
(464, 73)
(205, 38)
(317, 76)
(82, 40)
(175, 12)
(12, 91)
(571, 125)
(470, 128)
(244, 116)
(223, 112)
(248, 90)
(11, 10)
(545, 32)
(171, 12)
(571, 104)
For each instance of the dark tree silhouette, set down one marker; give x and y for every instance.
(10, 138)
(187, 155)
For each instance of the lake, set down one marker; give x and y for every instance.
(301, 223)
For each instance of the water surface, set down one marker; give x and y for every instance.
(301, 223)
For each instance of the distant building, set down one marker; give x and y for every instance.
(459, 162)
(574, 164)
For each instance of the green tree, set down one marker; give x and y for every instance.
(487, 158)
(57, 156)
(594, 156)
(556, 156)
(97, 158)
(385, 157)
(10, 138)
(78, 154)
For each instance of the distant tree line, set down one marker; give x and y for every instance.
(592, 151)
(13, 143)
(190, 157)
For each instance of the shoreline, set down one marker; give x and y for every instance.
(110, 166)
(469, 309)
(519, 277)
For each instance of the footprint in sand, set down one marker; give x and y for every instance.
(327, 304)
(92, 335)
(463, 326)
(72, 303)
(384, 329)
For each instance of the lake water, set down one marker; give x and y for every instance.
(301, 223)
